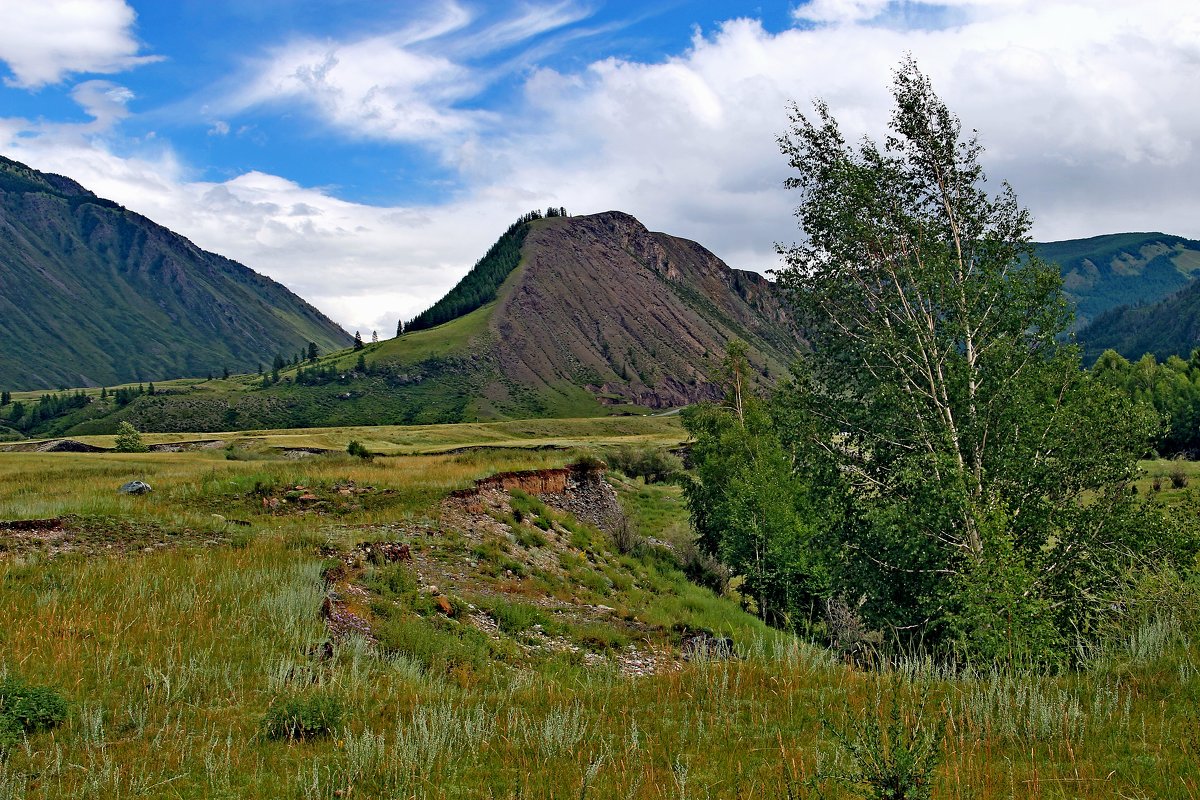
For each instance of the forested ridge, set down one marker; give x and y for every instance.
(479, 286)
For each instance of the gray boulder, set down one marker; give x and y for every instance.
(135, 487)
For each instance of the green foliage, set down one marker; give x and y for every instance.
(359, 450)
(652, 464)
(895, 760)
(1171, 387)
(530, 537)
(310, 715)
(939, 454)
(129, 440)
(753, 508)
(438, 644)
(478, 287)
(34, 708)
(394, 582)
(517, 617)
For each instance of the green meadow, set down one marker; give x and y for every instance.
(184, 630)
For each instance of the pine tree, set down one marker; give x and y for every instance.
(374, 337)
(400, 328)
(358, 342)
(5, 398)
(361, 366)
(150, 389)
(312, 352)
(224, 373)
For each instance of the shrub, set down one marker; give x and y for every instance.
(530, 537)
(517, 617)
(129, 440)
(440, 645)
(34, 708)
(625, 535)
(703, 569)
(651, 464)
(359, 450)
(11, 735)
(1179, 478)
(892, 762)
(306, 716)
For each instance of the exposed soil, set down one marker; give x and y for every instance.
(483, 552)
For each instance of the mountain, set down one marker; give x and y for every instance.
(563, 317)
(1168, 327)
(93, 294)
(1105, 272)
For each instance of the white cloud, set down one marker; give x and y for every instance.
(105, 101)
(43, 41)
(1086, 108)
(840, 11)
(406, 85)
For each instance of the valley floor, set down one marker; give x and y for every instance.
(439, 641)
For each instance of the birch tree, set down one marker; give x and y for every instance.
(965, 430)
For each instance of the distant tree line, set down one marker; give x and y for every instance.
(479, 286)
(1171, 387)
(48, 407)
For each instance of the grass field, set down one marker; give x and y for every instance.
(173, 632)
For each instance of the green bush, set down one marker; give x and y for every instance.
(438, 644)
(651, 464)
(517, 617)
(307, 716)
(359, 450)
(530, 537)
(11, 736)
(895, 761)
(129, 440)
(34, 708)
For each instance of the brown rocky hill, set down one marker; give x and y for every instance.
(631, 316)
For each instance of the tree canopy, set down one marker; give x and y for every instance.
(969, 473)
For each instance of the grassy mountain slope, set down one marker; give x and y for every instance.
(599, 316)
(94, 294)
(1105, 272)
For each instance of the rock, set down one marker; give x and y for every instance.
(705, 645)
(135, 487)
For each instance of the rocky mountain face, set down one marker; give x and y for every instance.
(94, 294)
(631, 316)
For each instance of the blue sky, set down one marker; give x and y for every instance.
(366, 153)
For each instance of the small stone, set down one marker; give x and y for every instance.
(135, 487)
(431, 589)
